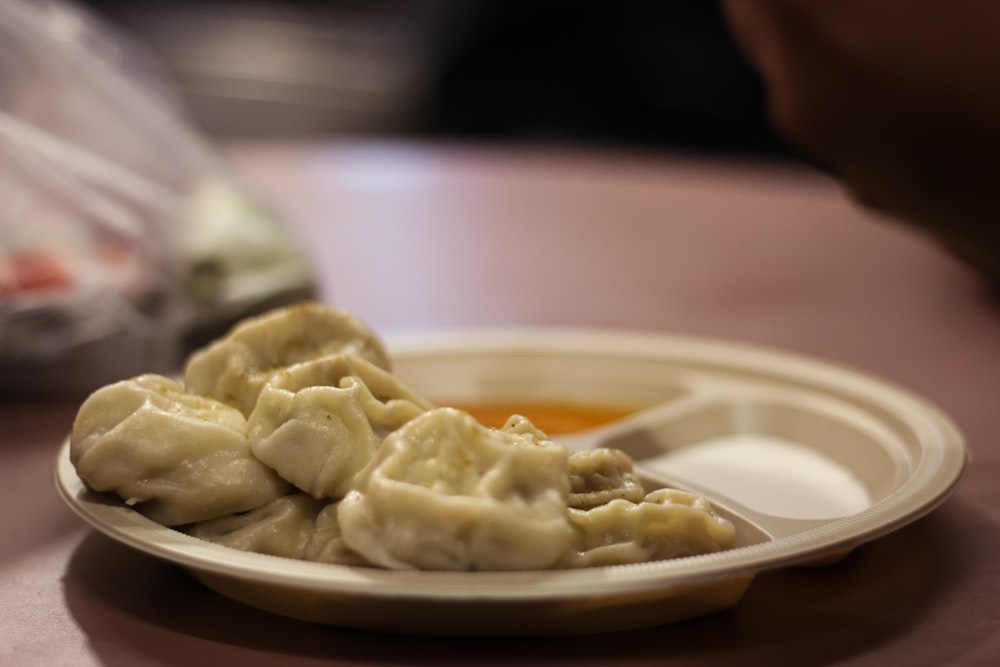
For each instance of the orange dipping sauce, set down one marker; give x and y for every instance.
(552, 418)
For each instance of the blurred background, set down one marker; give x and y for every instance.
(166, 251)
(643, 75)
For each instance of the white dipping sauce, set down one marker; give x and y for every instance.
(768, 474)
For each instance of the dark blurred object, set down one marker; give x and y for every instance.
(642, 74)
(899, 100)
(647, 74)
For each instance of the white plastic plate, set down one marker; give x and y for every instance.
(810, 460)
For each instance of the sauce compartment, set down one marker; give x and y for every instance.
(519, 376)
(806, 456)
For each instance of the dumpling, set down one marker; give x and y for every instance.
(668, 523)
(283, 527)
(319, 422)
(235, 368)
(446, 493)
(177, 458)
(598, 476)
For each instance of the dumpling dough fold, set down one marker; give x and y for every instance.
(598, 476)
(283, 527)
(327, 544)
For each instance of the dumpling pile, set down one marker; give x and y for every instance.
(290, 436)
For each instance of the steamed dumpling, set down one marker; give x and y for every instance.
(319, 422)
(283, 527)
(668, 523)
(445, 493)
(235, 368)
(177, 458)
(598, 476)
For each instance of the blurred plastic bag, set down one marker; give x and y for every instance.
(124, 239)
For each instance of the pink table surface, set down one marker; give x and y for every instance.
(424, 237)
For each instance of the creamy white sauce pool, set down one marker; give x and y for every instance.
(768, 474)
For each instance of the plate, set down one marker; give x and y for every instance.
(809, 458)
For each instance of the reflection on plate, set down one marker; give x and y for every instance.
(811, 460)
